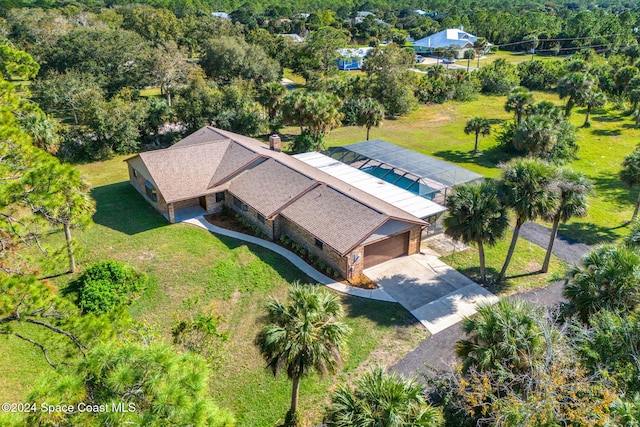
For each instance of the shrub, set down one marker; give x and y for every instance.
(107, 285)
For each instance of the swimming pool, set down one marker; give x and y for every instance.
(401, 181)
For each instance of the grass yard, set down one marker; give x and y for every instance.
(231, 279)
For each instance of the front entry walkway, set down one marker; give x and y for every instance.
(435, 293)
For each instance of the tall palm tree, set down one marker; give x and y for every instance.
(271, 97)
(608, 278)
(382, 400)
(305, 334)
(469, 54)
(574, 86)
(480, 45)
(592, 99)
(506, 335)
(630, 175)
(477, 125)
(517, 102)
(573, 190)
(476, 215)
(528, 188)
(370, 114)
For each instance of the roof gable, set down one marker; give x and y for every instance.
(338, 220)
(269, 186)
(184, 172)
(235, 158)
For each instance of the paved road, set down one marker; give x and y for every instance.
(568, 250)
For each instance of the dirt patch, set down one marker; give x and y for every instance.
(533, 266)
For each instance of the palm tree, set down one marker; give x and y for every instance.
(527, 187)
(307, 334)
(469, 54)
(370, 113)
(632, 240)
(592, 99)
(478, 125)
(574, 87)
(480, 45)
(536, 135)
(574, 189)
(381, 400)
(476, 215)
(607, 279)
(507, 335)
(271, 97)
(517, 102)
(630, 175)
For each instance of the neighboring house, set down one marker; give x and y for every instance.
(221, 15)
(344, 226)
(455, 38)
(352, 58)
(292, 37)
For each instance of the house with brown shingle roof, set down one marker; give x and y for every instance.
(345, 227)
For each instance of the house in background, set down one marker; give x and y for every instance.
(352, 58)
(292, 37)
(347, 228)
(455, 38)
(221, 15)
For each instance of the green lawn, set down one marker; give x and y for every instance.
(232, 279)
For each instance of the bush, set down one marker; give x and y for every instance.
(107, 285)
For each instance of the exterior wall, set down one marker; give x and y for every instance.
(415, 238)
(355, 263)
(327, 254)
(138, 184)
(252, 215)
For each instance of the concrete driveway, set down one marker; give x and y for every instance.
(435, 293)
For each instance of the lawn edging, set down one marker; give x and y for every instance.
(374, 294)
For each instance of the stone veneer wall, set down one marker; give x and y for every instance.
(327, 254)
(138, 184)
(252, 215)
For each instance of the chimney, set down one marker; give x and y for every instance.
(274, 143)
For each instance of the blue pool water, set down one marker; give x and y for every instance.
(400, 181)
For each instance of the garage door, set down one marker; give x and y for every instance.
(385, 250)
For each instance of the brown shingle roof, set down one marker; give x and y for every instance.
(324, 177)
(201, 136)
(184, 172)
(269, 186)
(336, 213)
(337, 220)
(233, 160)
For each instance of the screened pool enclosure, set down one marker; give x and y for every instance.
(418, 173)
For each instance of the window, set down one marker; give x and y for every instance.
(319, 244)
(135, 173)
(261, 218)
(220, 197)
(238, 204)
(151, 192)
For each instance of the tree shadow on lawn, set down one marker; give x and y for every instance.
(488, 158)
(590, 233)
(473, 273)
(385, 314)
(606, 132)
(120, 207)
